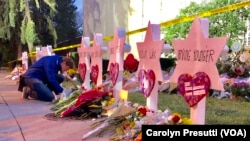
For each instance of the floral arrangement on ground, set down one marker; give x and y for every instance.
(83, 104)
(125, 120)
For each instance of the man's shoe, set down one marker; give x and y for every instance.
(32, 94)
(26, 91)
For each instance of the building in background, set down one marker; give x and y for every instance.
(102, 16)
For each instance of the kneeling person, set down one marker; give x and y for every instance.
(43, 78)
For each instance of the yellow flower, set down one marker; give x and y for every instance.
(111, 101)
(72, 71)
(127, 74)
(119, 131)
(132, 124)
(177, 114)
(186, 121)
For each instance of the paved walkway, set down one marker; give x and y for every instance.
(25, 120)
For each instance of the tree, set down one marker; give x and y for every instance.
(230, 24)
(28, 23)
(65, 20)
(79, 21)
(17, 24)
(28, 32)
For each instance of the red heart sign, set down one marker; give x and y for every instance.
(146, 81)
(130, 63)
(94, 73)
(82, 70)
(113, 72)
(195, 88)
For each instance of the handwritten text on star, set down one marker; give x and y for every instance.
(205, 55)
(147, 54)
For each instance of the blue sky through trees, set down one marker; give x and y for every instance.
(79, 4)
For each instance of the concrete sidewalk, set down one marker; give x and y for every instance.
(24, 120)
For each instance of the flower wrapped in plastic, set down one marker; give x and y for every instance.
(108, 126)
(127, 119)
(90, 103)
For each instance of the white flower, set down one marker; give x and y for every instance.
(243, 57)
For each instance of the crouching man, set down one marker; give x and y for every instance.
(42, 80)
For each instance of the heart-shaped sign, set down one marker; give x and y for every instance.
(147, 81)
(94, 73)
(82, 70)
(130, 63)
(113, 72)
(195, 88)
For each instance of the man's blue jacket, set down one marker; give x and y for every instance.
(46, 69)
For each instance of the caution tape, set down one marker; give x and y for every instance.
(180, 20)
(206, 14)
(169, 23)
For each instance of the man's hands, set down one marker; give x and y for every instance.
(57, 97)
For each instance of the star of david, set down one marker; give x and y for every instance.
(116, 48)
(150, 50)
(83, 52)
(95, 51)
(198, 53)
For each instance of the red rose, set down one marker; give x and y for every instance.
(142, 111)
(176, 118)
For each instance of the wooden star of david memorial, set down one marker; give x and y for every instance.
(196, 57)
(96, 58)
(149, 55)
(116, 48)
(198, 53)
(84, 62)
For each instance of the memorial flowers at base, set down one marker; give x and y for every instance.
(72, 72)
(240, 88)
(85, 104)
(126, 120)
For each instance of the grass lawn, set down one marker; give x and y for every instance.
(218, 111)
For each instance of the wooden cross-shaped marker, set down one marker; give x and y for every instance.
(25, 60)
(84, 62)
(117, 48)
(47, 51)
(38, 53)
(44, 51)
(149, 54)
(96, 52)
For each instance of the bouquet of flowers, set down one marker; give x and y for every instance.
(126, 121)
(83, 104)
(240, 87)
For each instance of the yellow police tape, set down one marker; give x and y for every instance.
(171, 22)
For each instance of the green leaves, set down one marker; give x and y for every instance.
(51, 4)
(28, 34)
(231, 23)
